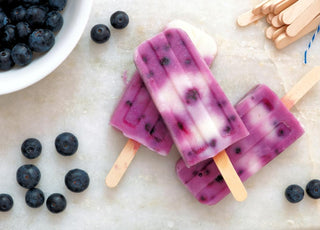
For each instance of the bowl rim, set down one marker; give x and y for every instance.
(29, 78)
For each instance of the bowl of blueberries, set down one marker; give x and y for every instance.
(36, 36)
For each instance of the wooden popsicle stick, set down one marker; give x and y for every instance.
(283, 40)
(270, 31)
(257, 10)
(269, 18)
(230, 176)
(276, 21)
(301, 88)
(274, 4)
(278, 32)
(295, 10)
(266, 8)
(122, 163)
(304, 19)
(283, 5)
(247, 18)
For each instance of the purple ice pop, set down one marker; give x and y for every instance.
(272, 129)
(136, 115)
(199, 116)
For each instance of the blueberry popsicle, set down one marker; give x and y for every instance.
(137, 117)
(272, 129)
(199, 116)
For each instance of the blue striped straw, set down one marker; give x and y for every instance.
(309, 45)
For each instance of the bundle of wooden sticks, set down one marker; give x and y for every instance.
(289, 20)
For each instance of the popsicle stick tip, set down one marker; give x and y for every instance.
(248, 18)
(241, 196)
(122, 163)
(302, 87)
(111, 183)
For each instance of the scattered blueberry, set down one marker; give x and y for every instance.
(294, 193)
(6, 202)
(77, 180)
(21, 54)
(56, 203)
(31, 148)
(34, 198)
(54, 21)
(41, 40)
(6, 62)
(28, 176)
(119, 20)
(313, 189)
(66, 144)
(58, 5)
(100, 33)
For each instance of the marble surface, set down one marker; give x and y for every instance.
(81, 94)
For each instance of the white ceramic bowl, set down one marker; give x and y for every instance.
(75, 15)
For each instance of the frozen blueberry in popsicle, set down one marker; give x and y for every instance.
(272, 128)
(199, 116)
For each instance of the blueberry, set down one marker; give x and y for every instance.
(66, 144)
(34, 198)
(100, 33)
(57, 4)
(294, 193)
(6, 62)
(54, 21)
(77, 180)
(9, 36)
(31, 148)
(219, 178)
(4, 20)
(237, 150)
(119, 20)
(56, 203)
(213, 143)
(18, 14)
(6, 202)
(23, 31)
(28, 176)
(35, 16)
(32, 2)
(21, 54)
(41, 40)
(192, 95)
(313, 189)
(164, 61)
(180, 125)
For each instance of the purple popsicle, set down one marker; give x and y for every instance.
(272, 129)
(136, 115)
(200, 118)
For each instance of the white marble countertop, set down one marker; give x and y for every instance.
(81, 94)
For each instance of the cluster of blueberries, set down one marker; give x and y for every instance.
(294, 193)
(27, 26)
(28, 176)
(100, 33)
